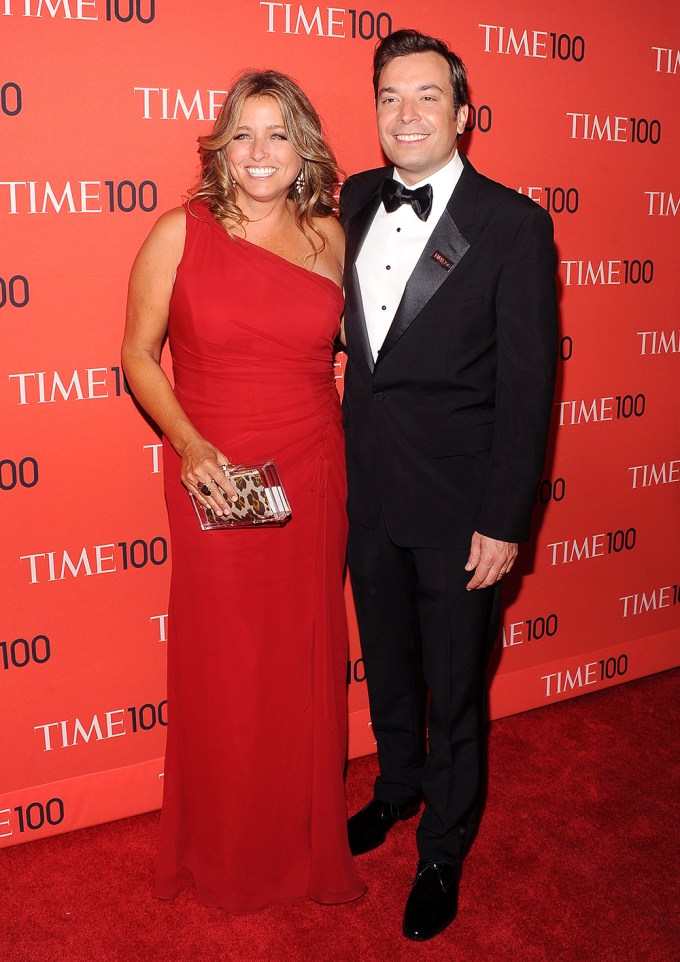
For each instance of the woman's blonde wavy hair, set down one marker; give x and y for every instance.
(303, 128)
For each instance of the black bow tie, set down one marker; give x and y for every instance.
(394, 194)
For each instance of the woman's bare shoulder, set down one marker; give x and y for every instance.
(167, 236)
(163, 248)
(332, 230)
(172, 224)
(331, 227)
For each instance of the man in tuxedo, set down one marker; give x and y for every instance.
(451, 336)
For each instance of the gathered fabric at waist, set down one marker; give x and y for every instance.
(262, 390)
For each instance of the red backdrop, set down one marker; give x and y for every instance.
(101, 102)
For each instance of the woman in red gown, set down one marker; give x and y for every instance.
(245, 281)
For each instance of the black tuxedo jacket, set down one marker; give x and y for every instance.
(446, 432)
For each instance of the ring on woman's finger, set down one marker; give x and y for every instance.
(204, 489)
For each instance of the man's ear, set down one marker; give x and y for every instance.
(462, 119)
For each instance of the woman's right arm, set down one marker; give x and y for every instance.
(149, 292)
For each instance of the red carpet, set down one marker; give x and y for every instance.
(577, 859)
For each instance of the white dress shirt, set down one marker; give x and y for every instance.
(392, 247)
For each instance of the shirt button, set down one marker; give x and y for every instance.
(398, 230)
(388, 267)
(384, 307)
(379, 396)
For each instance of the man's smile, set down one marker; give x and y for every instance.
(410, 138)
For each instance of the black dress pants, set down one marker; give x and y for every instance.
(423, 632)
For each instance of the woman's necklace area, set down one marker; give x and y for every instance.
(278, 242)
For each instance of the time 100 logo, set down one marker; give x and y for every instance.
(126, 10)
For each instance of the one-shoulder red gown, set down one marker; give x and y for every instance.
(253, 807)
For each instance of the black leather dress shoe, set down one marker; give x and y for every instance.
(433, 902)
(369, 827)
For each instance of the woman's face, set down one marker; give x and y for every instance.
(260, 158)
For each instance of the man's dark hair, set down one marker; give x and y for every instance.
(404, 42)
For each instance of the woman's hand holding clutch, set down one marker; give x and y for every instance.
(204, 477)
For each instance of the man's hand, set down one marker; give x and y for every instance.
(490, 560)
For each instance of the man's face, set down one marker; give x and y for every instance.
(417, 122)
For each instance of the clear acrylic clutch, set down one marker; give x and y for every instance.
(261, 499)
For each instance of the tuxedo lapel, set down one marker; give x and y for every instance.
(444, 250)
(356, 331)
(442, 253)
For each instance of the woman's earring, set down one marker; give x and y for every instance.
(299, 182)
